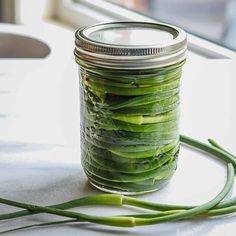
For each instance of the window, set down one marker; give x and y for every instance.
(86, 12)
(211, 19)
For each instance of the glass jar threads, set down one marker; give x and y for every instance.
(129, 95)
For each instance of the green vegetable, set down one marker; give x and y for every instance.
(130, 221)
(129, 127)
(128, 91)
(169, 212)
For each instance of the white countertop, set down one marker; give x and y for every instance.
(39, 139)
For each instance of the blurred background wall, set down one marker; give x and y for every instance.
(7, 11)
(26, 11)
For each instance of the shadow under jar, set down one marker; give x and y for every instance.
(129, 94)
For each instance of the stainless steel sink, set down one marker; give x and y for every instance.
(19, 46)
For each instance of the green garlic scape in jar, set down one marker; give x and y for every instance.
(129, 86)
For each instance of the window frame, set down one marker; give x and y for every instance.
(85, 12)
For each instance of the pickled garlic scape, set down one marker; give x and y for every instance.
(129, 106)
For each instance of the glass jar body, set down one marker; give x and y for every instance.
(129, 127)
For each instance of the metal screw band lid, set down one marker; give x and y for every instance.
(131, 45)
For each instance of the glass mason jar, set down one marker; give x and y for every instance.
(129, 95)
